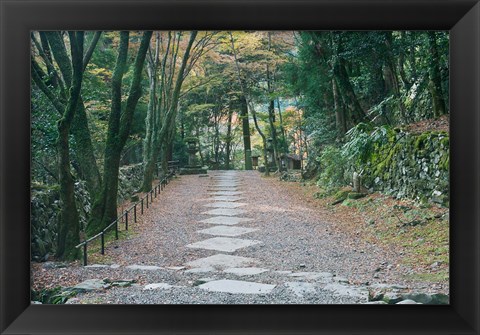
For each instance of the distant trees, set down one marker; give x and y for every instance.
(344, 78)
(170, 72)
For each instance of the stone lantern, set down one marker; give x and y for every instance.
(194, 166)
(192, 149)
(270, 155)
(255, 161)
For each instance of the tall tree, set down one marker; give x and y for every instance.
(163, 109)
(72, 70)
(53, 84)
(243, 112)
(248, 105)
(64, 92)
(68, 230)
(120, 119)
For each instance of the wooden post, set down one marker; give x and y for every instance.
(85, 254)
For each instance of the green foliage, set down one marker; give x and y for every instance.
(332, 167)
(362, 141)
(389, 73)
(55, 296)
(44, 136)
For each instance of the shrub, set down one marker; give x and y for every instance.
(332, 167)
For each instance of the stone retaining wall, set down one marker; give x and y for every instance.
(45, 207)
(411, 166)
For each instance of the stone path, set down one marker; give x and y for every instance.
(229, 182)
(238, 251)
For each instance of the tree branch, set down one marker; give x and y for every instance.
(91, 48)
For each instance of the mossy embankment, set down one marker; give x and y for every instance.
(413, 166)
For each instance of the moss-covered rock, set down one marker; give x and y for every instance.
(411, 166)
(355, 195)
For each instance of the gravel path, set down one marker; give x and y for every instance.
(234, 237)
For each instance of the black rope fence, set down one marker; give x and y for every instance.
(127, 215)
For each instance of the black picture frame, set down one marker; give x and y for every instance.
(19, 17)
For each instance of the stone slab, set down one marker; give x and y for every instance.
(225, 244)
(226, 180)
(300, 288)
(221, 204)
(227, 177)
(237, 286)
(91, 285)
(221, 261)
(226, 184)
(408, 302)
(225, 211)
(155, 286)
(321, 276)
(201, 270)
(283, 272)
(226, 198)
(96, 266)
(225, 193)
(223, 189)
(348, 290)
(250, 271)
(175, 267)
(143, 267)
(226, 220)
(226, 231)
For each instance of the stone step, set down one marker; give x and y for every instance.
(221, 204)
(226, 231)
(225, 211)
(225, 244)
(222, 261)
(226, 220)
(237, 286)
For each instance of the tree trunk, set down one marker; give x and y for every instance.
(271, 111)
(282, 128)
(243, 113)
(167, 110)
(118, 130)
(439, 107)
(357, 114)
(273, 131)
(228, 141)
(390, 62)
(87, 166)
(216, 139)
(68, 226)
(264, 141)
(149, 163)
(339, 113)
(246, 133)
(84, 150)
